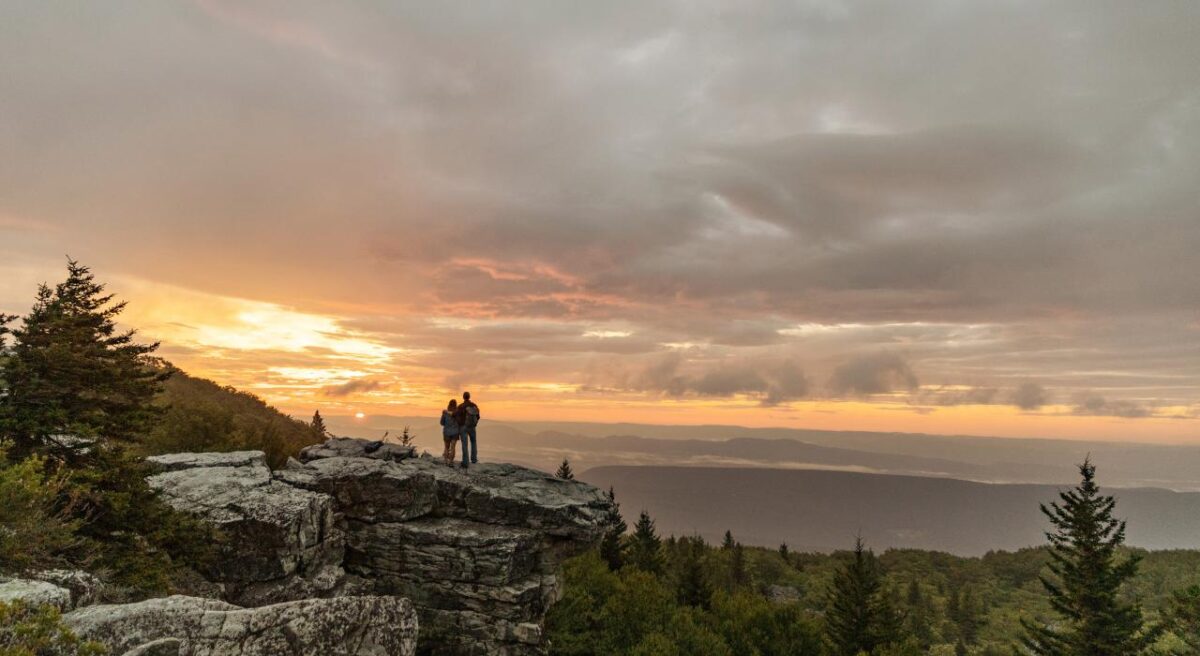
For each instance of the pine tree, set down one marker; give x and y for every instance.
(784, 553)
(645, 547)
(564, 471)
(917, 620)
(1087, 580)
(407, 437)
(859, 616)
(70, 372)
(727, 543)
(693, 587)
(738, 576)
(612, 545)
(318, 426)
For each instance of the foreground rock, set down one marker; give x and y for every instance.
(190, 626)
(62, 588)
(477, 552)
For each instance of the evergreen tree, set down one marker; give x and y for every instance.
(407, 437)
(692, 585)
(784, 553)
(917, 621)
(727, 543)
(318, 426)
(1087, 580)
(72, 373)
(564, 471)
(645, 547)
(1183, 618)
(612, 545)
(738, 576)
(858, 616)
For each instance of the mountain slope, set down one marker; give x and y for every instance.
(824, 510)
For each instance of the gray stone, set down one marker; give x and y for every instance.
(35, 593)
(366, 489)
(348, 447)
(85, 589)
(343, 626)
(177, 461)
(281, 542)
(476, 551)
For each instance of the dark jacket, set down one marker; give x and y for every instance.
(460, 414)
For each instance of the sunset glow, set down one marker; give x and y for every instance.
(611, 217)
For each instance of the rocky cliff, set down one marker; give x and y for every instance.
(476, 552)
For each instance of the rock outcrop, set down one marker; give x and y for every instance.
(191, 626)
(64, 589)
(477, 552)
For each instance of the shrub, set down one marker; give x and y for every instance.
(38, 631)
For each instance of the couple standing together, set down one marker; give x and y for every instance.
(458, 423)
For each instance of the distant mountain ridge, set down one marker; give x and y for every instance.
(825, 510)
(986, 459)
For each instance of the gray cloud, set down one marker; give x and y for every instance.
(357, 386)
(1029, 396)
(877, 373)
(771, 382)
(1095, 404)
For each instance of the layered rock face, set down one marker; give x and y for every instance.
(191, 626)
(477, 552)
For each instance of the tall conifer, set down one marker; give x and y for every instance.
(564, 471)
(859, 616)
(71, 372)
(612, 545)
(645, 547)
(1086, 580)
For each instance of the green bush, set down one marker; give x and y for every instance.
(36, 531)
(38, 631)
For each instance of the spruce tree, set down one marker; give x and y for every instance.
(645, 547)
(612, 545)
(318, 426)
(727, 543)
(71, 372)
(1086, 580)
(693, 587)
(784, 553)
(738, 576)
(564, 471)
(859, 616)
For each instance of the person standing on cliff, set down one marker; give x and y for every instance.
(450, 431)
(468, 418)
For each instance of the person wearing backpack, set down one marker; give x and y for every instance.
(450, 431)
(468, 418)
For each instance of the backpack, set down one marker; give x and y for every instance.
(472, 415)
(449, 426)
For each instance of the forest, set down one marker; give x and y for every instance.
(82, 402)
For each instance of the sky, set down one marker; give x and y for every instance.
(945, 217)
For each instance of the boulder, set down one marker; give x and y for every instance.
(34, 593)
(84, 588)
(190, 626)
(348, 447)
(281, 542)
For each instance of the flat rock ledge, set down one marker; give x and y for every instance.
(477, 552)
(191, 626)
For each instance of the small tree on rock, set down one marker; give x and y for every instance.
(318, 426)
(564, 471)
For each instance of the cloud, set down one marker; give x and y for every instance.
(1097, 405)
(1029, 396)
(484, 189)
(353, 387)
(877, 373)
(771, 382)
